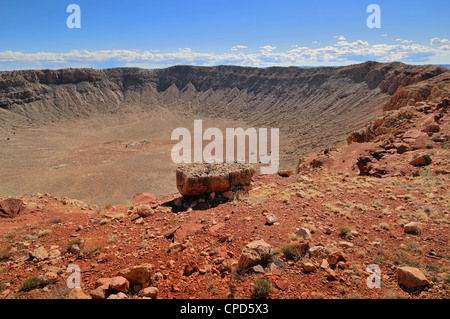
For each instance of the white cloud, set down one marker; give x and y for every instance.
(435, 41)
(341, 53)
(407, 41)
(239, 47)
(340, 37)
(384, 35)
(268, 48)
(353, 44)
(399, 40)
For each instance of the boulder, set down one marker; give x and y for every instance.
(309, 267)
(119, 295)
(402, 147)
(270, 219)
(11, 207)
(300, 247)
(138, 275)
(256, 252)
(199, 179)
(49, 278)
(423, 160)
(432, 128)
(335, 257)
(151, 292)
(39, 253)
(411, 278)
(144, 210)
(100, 292)
(190, 268)
(303, 232)
(412, 228)
(120, 283)
(285, 173)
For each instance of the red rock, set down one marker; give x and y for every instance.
(100, 292)
(411, 278)
(285, 173)
(281, 284)
(144, 210)
(10, 207)
(138, 275)
(423, 160)
(432, 128)
(402, 147)
(203, 179)
(277, 272)
(190, 268)
(300, 247)
(120, 283)
(335, 257)
(151, 292)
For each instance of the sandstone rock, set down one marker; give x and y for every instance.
(281, 284)
(151, 292)
(335, 257)
(324, 264)
(270, 219)
(423, 160)
(309, 267)
(55, 253)
(402, 147)
(432, 128)
(412, 228)
(345, 244)
(258, 269)
(119, 295)
(300, 247)
(285, 173)
(203, 179)
(39, 253)
(411, 278)
(176, 247)
(190, 268)
(77, 293)
(100, 292)
(49, 278)
(228, 265)
(74, 249)
(316, 251)
(256, 252)
(120, 283)
(138, 275)
(144, 210)
(303, 233)
(330, 274)
(11, 207)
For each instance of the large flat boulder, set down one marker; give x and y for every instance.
(200, 179)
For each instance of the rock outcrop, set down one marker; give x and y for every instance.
(10, 207)
(204, 179)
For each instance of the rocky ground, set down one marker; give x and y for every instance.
(382, 205)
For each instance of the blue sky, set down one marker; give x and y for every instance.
(154, 34)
